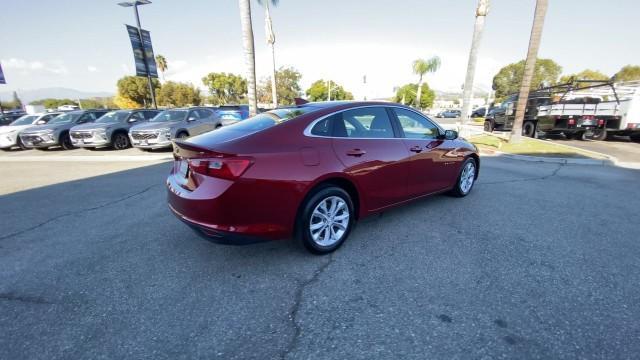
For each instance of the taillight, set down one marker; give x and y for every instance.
(633, 126)
(600, 122)
(572, 121)
(224, 168)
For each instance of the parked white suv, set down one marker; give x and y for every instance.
(9, 134)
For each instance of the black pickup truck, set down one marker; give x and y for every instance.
(501, 117)
(550, 111)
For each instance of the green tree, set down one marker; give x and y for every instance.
(51, 103)
(287, 88)
(319, 91)
(136, 89)
(407, 94)
(225, 88)
(161, 63)
(628, 73)
(586, 74)
(507, 81)
(178, 94)
(422, 67)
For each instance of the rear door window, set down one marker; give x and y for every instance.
(368, 122)
(204, 113)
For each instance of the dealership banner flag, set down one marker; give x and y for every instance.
(2, 80)
(142, 50)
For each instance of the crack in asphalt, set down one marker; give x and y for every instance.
(553, 173)
(55, 218)
(23, 299)
(295, 308)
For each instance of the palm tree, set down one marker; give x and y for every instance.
(249, 54)
(467, 93)
(529, 67)
(422, 67)
(271, 39)
(162, 65)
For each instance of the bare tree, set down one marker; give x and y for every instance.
(467, 94)
(249, 54)
(271, 40)
(529, 67)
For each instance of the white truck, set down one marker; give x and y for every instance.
(611, 111)
(593, 111)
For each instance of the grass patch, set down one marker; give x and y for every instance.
(530, 147)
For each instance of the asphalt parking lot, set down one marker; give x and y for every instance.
(540, 261)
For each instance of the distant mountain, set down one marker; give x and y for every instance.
(55, 93)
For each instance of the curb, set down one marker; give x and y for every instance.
(607, 161)
(81, 158)
(552, 160)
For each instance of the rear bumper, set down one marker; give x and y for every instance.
(227, 211)
(217, 236)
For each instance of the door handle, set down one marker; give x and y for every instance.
(416, 149)
(356, 152)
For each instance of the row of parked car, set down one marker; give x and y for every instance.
(118, 129)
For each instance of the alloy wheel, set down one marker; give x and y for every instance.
(467, 177)
(329, 221)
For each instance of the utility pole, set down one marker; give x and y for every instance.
(467, 93)
(144, 54)
(329, 90)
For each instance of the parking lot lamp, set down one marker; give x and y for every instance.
(135, 4)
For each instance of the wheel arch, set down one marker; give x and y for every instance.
(332, 180)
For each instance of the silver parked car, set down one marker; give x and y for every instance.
(110, 130)
(173, 124)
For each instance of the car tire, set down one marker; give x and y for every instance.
(65, 142)
(635, 137)
(466, 178)
(599, 135)
(182, 135)
(21, 144)
(120, 141)
(322, 226)
(529, 129)
(219, 126)
(488, 126)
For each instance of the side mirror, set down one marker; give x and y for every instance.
(450, 134)
(192, 118)
(40, 122)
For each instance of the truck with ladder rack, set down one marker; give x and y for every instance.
(581, 109)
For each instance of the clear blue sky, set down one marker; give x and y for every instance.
(83, 44)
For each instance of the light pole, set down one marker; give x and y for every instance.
(135, 4)
(481, 13)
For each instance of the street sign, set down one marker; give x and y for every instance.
(2, 80)
(142, 50)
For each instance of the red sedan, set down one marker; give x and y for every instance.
(312, 170)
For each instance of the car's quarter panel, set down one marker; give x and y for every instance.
(265, 200)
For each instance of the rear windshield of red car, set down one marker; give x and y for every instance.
(268, 119)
